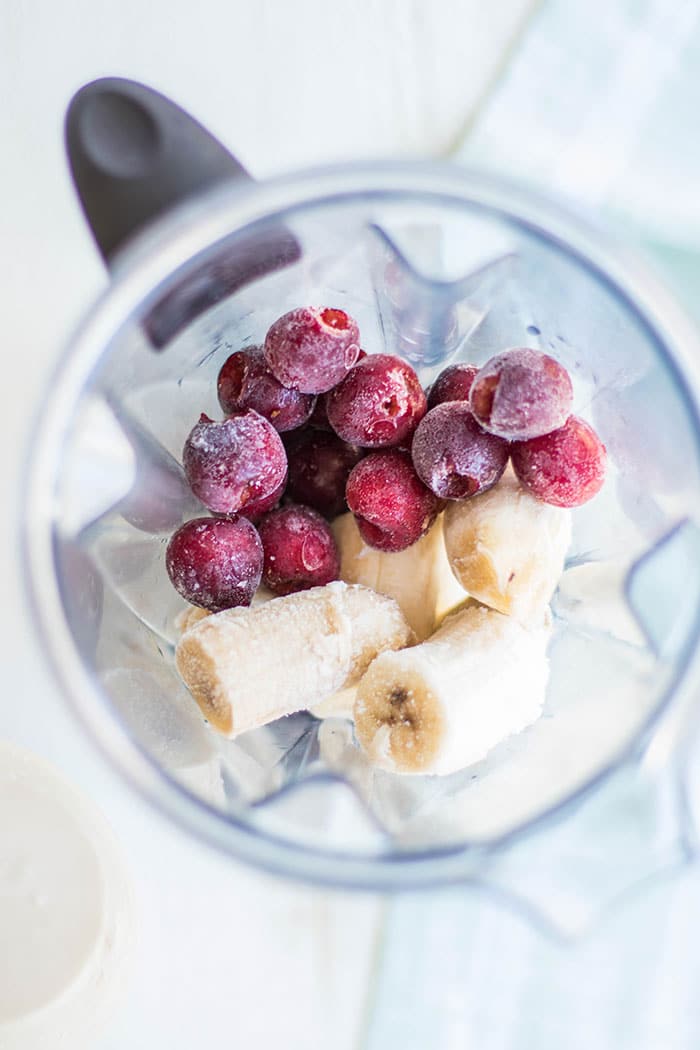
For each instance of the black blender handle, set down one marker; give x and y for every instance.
(134, 154)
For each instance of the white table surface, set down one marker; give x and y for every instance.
(227, 957)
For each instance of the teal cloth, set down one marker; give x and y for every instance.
(600, 104)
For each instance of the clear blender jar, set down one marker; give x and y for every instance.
(437, 266)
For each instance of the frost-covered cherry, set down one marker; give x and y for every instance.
(379, 403)
(392, 506)
(237, 465)
(311, 349)
(453, 455)
(246, 381)
(215, 563)
(453, 384)
(521, 394)
(319, 465)
(299, 550)
(565, 467)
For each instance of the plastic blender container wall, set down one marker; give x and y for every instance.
(438, 267)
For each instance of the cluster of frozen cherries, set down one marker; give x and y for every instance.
(313, 426)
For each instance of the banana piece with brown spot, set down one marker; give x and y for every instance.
(444, 704)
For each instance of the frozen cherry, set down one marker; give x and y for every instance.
(236, 466)
(215, 563)
(453, 384)
(565, 467)
(255, 508)
(379, 403)
(319, 465)
(392, 506)
(299, 550)
(521, 394)
(245, 381)
(312, 349)
(319, 416)
(291, 438)
(453, 456)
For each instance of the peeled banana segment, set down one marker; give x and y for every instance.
(247, 667)
(507, 548)
(193, 613)
(339, 705)
(189, 617)
(444, 704)
(418, 578)
(449, 592)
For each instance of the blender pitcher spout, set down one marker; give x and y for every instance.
(633, 832)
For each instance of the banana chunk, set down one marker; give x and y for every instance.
(247, 667)
(507, 549)
(189, 617)
(193, 614)
(418, 578)
(445, 703)
(450, 594)
(339, 705)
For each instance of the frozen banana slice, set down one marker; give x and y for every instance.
(193, 613)
(339, 705)
(406, 576)
(189, 617)
(507, 549)
(418, 578)
(443, 704)
(450, 594)
(247, 667)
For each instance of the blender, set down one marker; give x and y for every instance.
(438, 266)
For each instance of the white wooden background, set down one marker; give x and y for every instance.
(227, 957)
